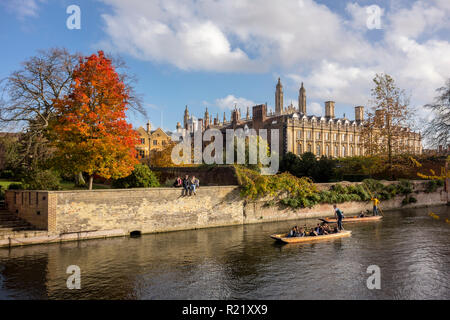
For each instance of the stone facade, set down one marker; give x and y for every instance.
(151, 140)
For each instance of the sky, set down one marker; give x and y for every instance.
(218, 53)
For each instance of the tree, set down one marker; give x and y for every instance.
(28, 95)
(141, 177)
(90, 131)
(438, 130)
(386, 121)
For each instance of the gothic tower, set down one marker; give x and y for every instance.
(186, 117)
(279, 98)
(302, 100)
(206, 118)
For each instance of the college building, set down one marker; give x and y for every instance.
(300, 132)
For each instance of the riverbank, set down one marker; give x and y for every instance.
(79, 215)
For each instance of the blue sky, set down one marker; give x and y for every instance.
(216, 53)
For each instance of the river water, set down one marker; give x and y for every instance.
(411, 248)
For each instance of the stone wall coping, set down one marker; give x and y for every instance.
(415, 182)
(121, 190)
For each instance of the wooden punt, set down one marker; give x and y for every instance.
(355, 219)
(285, 239)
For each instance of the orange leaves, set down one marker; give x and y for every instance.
(91, 127)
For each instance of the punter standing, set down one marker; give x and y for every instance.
(375, 202)
(339, 216)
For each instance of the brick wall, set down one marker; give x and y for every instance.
(32, 206)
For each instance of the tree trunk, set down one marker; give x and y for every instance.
(79, 180)
(91, 180)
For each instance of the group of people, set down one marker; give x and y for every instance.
(319, 230)
(189, 185)
(323, 229)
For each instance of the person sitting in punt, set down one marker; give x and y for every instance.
(301, 232)
(313, 233)
(326, 228)
(336, 230)
(362, 214)
(319, 230)
(292, 232)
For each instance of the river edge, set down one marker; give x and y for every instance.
(84, 215)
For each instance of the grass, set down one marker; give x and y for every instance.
(5, 183)
(65, 185)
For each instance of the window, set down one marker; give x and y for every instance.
(327, 150)
(299, 149)
(318, 150)
(327, 136)
(351, 138)
(344, 151)
(299, 134)
(309, 134)
(351, 151)
(343, 137)
(318, 135)
(164, 142)
(155, 142)
(141, 153)
(335, 137)
(336, 151)
(142, 140)
(309, 148)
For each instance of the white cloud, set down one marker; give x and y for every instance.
(335, 57)
(22, 8)
(315, 109)
(230, 101)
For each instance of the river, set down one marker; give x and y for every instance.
(411, 248)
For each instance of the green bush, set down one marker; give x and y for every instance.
(433, 185)
(15, 186)
(7, 174)
(412, 199)
(141, 177)
(41, 180)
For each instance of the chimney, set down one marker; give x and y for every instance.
(359, 113)
(329, 109)
(149, 126)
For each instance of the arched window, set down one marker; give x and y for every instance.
(318, 150)
(299, 149)
(344, 151)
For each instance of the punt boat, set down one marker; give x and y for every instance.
(284, 238)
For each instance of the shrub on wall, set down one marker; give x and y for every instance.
(301, 192)
(433, 185)
(141, 177)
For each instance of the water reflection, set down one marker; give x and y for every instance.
(241, 262)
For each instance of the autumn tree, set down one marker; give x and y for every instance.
(385, 126)
(90, 131)
(27, 101)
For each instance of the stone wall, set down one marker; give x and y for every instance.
(118, 212)
(147, 210)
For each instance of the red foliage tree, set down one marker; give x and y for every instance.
(91, 131)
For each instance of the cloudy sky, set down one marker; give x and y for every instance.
(215, 53)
